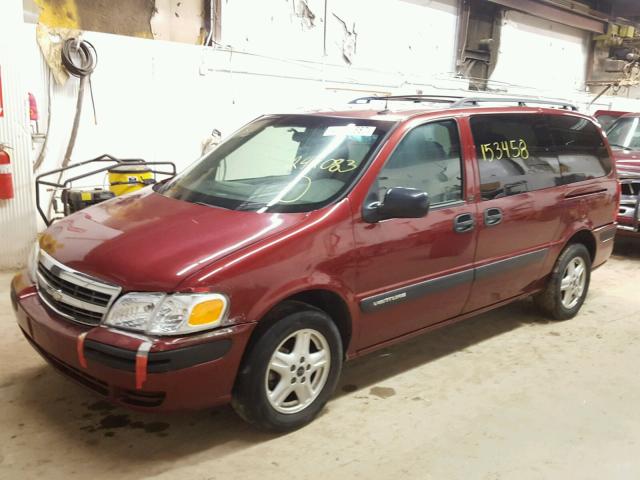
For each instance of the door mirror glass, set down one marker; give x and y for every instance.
(399, 202)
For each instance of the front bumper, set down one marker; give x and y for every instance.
(190, 372)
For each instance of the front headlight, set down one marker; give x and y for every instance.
(162, 314)
(32, 262)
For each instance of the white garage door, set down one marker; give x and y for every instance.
(541, 54)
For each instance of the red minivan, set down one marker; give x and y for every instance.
(308, 239)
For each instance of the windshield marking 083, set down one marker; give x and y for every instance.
(282, 163)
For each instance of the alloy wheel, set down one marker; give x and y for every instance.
(573, 282)
(298, 371)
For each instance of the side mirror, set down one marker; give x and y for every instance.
(399, 202)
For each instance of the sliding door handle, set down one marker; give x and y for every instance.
(492, 216)
(464, 223)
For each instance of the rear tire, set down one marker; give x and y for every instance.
(290, 372)
(569, 283)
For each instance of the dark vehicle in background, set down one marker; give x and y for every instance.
(624, 138)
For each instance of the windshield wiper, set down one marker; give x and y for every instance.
(205, 204)
(250, 206)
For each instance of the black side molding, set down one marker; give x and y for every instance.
(428, 287)
(417, 290)
(518, 261)
(158, 362)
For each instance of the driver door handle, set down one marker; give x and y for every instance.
(464, 223)
(492, 216)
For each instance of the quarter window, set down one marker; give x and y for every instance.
(514, 154)
(580, 148)
(428, 159)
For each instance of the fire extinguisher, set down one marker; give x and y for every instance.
(6, 177)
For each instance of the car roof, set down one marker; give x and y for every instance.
(368, 113)
(398, 113)
(403, 107)
(610, 113)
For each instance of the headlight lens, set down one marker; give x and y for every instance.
(161, 314)
(32, 262)
(133, 311)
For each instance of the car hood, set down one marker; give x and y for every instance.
(627, 162)
(149, 242)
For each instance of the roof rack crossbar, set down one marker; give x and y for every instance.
(458, 102)
(409, 98)
(521, 101)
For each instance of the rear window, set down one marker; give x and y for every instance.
(520, 153)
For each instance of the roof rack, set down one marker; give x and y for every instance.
(521, 101)
(409, 98)
(458, 102)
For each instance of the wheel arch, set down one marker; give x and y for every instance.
(322, 299)
(333, 305)
(586, 238)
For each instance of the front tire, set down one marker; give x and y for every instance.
(569, 283)
(290, 372)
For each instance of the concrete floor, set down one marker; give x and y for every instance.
(506, 395)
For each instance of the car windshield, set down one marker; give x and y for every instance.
(624, 133)
(287, 163)
(606, 120)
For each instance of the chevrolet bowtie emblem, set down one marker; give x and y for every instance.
(55, 294)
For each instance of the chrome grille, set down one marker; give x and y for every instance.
(630, 188)
(72, 294)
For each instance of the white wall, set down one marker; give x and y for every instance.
(17, 216)
(401, 36)
(541, 55)
(157, 100)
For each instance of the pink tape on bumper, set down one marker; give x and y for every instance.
(80, 350)
(142, 357)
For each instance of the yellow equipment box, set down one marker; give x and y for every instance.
(129, 178)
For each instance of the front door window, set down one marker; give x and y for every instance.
(427, 159)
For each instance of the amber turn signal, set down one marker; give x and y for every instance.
(206, 312)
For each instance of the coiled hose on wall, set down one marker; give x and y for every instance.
(82, 66)
(79, 58)
(86, 54)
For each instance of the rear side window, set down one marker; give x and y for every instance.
(514, 153)
(580, 148)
